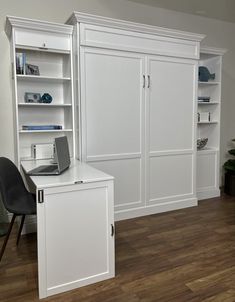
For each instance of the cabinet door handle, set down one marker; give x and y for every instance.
(112, 230)
(40, 196)
(144, 81)
(148, 81)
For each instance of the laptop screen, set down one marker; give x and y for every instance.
(62, 152)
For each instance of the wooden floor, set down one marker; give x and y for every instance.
(186, 255)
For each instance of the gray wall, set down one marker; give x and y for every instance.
(219, 34)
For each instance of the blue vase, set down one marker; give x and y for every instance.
(204, 75)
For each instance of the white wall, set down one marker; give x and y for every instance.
(219, 34)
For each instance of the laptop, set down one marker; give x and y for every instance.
(62, 157)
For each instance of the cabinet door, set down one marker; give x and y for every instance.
(75, 236)
(171, 129)
(207, 174)
(112, 113)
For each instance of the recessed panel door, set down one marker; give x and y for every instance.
(112, 113)
(171, 129)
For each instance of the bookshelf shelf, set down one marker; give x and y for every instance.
(22, 77)
(43, 105)
(44, 131)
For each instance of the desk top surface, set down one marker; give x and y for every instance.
(77, 172)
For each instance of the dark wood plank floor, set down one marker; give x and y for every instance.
(186, 255)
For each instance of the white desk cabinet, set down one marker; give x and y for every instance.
(75, 228)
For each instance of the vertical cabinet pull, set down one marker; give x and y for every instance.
(148, 81)
(40, 196)
(112, 230)
(144, 81)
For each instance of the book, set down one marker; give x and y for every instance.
(20, 62)
(41, 127)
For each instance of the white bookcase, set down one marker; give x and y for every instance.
(48, 46)
(208, 167)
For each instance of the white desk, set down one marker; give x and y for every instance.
(75, 227)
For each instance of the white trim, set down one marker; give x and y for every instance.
(103, 157)
(76, 284)
(213, 50)
(155, 209)
(209, 192)
(171, 152)
(18, 22)
(79, 17)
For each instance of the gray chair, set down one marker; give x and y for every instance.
(15, 197)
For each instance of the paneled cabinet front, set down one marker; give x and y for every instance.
(81, 217)
(138, 124)
(112, 114)
(170, 129)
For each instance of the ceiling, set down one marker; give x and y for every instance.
(216, 9)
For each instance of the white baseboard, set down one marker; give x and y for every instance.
(208, 194)
(154, 209)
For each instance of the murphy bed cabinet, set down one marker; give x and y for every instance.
(47, 47)
(137, 92)
(208, 168)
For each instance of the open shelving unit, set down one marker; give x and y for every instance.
(208, 158)
(49, 47)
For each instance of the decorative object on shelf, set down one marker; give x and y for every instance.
(198, 117)
(204, 74)
(46, 98)
(201, 142)
(43, 151)
(203, 99)
(31, 69)
(204, 117)
(20, 62)
(41, 127)
(32, 97)
(229, 179)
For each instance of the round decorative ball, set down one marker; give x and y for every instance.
(46, 98)
(201, 142)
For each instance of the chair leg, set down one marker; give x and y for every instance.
(7, 236)
(20, 229)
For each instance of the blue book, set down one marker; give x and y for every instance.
(41, 127)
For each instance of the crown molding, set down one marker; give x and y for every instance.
(18, 22)
(213, 50)
(79, 17)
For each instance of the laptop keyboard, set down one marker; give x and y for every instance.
(49, 168)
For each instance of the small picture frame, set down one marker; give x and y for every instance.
(32, 69)
(32, 97)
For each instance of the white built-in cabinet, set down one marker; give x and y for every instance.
(48, 46)
(208, 167)
(75, 227)
(137, 88)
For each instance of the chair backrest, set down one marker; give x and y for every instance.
(11, 182)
